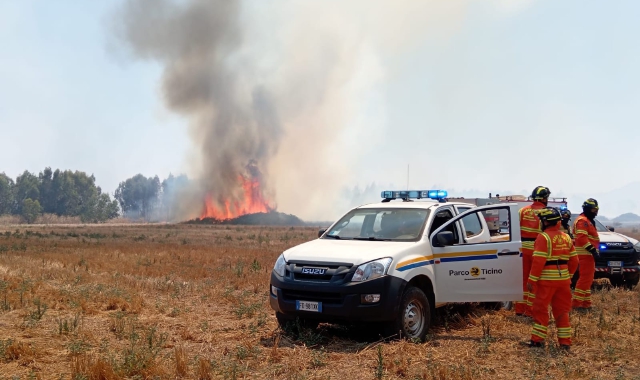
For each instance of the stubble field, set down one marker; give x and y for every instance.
(191, 301)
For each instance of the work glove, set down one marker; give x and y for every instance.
(531, 287)
(594, 251)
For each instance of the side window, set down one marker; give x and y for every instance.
(440, 218)
(471, 223)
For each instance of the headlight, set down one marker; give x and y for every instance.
(280, 266)
(372, 269)
(637, 247)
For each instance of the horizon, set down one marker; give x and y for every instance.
(472, 95)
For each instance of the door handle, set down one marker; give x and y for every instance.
(508, 253)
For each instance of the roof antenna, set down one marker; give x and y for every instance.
(407, 176)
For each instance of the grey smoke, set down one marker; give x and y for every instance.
(232, 121)
(297, 86)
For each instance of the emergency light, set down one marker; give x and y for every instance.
(415, 194)
(563, 207)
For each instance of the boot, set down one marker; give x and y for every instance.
(533, 344)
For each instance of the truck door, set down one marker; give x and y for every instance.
(473, 230)
(468, 271)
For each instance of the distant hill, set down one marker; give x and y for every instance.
(628, 217)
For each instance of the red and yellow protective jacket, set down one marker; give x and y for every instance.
(554, 258)
(530, 224)
(586, 235)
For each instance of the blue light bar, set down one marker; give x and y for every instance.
(563, 207)
(603, 246)
(414, 194)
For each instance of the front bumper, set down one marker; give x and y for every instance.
(340, 302)
(625, 271)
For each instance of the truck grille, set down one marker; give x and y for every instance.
(333, 272)
(324, 297)
(625, 253)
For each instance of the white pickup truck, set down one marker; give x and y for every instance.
(396, 261)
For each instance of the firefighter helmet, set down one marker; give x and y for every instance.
(549, 214)
(566, 214)
(540, 192)
(591, 204)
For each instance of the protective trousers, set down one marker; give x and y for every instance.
(582, 293)
(560, 300)
(524, 307)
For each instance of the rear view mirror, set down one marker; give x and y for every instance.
(321, 231)
(611, 229)
(443, 239)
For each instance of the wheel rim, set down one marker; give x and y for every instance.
(506, 305)
(413, 319)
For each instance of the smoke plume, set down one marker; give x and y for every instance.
(233, 120)
(292, 86)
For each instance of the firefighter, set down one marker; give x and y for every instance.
(554, 263)
(587, 243)
(566, 222)
(529, 230)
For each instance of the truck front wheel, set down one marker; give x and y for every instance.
(414, 316)
(631, 281)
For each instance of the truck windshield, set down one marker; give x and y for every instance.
(384, 224)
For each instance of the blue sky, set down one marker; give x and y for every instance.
(67, 101)
(496, 98)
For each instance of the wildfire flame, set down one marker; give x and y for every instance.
(253, 201)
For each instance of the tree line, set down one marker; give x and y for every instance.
(75, 194)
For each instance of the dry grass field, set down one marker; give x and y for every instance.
(191, 301)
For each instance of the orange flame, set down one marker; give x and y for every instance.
(252, 202)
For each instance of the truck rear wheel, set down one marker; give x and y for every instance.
(414, 316)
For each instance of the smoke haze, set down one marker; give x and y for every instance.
(296, 86)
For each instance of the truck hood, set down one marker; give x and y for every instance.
(613, 237)
(345, 251)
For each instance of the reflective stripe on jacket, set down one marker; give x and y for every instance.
(554, 258)
(585, 234)
(530, 224)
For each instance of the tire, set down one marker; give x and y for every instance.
(507, 305)
(631, 282)
(414, 316)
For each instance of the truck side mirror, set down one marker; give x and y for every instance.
(443, 239)
(611, 229)
(321, 231)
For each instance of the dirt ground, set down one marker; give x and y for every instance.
(191, 301)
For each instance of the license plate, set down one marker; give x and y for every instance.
(309, 306)
(615, 263)
(314, 271)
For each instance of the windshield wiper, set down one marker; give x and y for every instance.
(372, 238)
(333, 236)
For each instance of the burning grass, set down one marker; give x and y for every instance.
(190, 301)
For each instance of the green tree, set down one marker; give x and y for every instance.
(6, 194)
(30, 210)
(100, 209)
(47, 196)
(26, 187)
(138, 196)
